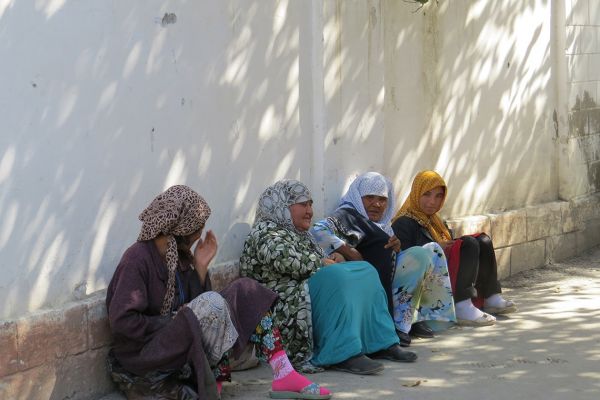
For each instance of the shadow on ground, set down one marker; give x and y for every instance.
(550, 349)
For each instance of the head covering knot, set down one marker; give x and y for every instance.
(178, 211)
(425, 181)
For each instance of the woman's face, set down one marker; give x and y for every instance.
(190, 239)
(374, 206)
(302, 214)
(431, 201)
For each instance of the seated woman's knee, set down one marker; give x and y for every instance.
(421, 254)
(241, 282)
(484, 240)
(214, 298)
(469, 243)
(433, 246)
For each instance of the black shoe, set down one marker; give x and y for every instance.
(421, 330)
(404, 338)
(360, 365)
(395, 353)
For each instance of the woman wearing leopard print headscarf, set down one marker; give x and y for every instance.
(172, 335)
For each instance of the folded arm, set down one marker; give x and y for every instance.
(326, 237)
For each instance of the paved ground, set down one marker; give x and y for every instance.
(550, 349)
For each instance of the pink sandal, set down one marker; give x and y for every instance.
(310, 392)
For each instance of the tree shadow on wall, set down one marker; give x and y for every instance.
(584, 124)
(480, 109)
(210, 97)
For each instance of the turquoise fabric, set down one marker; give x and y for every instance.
(344, 324)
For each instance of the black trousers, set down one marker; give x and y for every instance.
(477, 269)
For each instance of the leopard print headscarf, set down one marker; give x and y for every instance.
(177, 211)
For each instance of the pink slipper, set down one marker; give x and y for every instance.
(310, 392)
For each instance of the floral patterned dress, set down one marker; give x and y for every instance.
(282, 260)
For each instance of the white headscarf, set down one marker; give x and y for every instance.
(371, 183)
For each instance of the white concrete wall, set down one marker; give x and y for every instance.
(470, 94)
(580, 137)
(354, 93)
(105, 104)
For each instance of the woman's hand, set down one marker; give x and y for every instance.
(333, 258)
(349, 253)
(327, 261)
(204, 252)
(337, 257)
(394, 244)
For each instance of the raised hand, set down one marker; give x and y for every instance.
(205, 251)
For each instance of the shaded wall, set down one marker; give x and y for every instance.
(580, 135)
(354, 93)
(470, 94)
(105, 104)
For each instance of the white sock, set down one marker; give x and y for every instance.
(495, 300)
(467, 311)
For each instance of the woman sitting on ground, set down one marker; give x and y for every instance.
(415, 280)
(330, 314)
(471, 258)
(172, 335)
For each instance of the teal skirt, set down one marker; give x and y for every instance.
(349, 313)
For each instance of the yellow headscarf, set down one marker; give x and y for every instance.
(424, 182)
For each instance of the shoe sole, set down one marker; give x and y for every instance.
(500, 311)
(296, 395)
(359, 372)
(467, 322)
(422, 336)
(395, 359)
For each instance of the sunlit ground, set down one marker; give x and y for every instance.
(550, 349)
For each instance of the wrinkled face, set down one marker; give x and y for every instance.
(431, 201)
(302, 214)
(374, 206)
